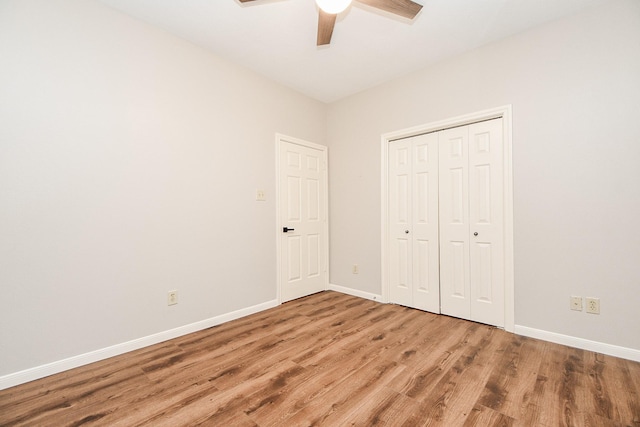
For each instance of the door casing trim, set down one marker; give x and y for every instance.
(503, 112)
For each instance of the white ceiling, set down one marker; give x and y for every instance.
(277, 38)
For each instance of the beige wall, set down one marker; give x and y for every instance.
(575, 90)
(129, 164)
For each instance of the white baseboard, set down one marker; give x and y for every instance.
(355, 292)
(42, 371)
(584, 344)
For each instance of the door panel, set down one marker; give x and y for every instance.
(423, 195)
(481, 191)
(455, 281)
(422, 281)
(457, 251)
(425, 257)
(295, 258)
(313, 250)
(481, 266)
(302, 208)
(293, 199)
(313, 200)
(486, 219)
(400, 280)
(413, 222)
(457, 196)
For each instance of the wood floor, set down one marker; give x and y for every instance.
(335, 360)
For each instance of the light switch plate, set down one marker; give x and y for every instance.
(172, 298)
(576, 303)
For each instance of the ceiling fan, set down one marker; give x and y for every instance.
(329, 9)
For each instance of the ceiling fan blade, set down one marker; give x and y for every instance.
(326, 22)
(245, 1)
(406, 8)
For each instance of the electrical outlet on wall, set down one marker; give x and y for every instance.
(593, 305)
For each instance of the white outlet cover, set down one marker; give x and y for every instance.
(593, 305)
(576, 303)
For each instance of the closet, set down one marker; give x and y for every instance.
(446, 222)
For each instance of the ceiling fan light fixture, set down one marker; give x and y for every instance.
(333, 6)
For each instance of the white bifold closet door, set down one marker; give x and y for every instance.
(446, 222)
(471, 222)
(413, 222)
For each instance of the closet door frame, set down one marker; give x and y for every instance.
(503, 112)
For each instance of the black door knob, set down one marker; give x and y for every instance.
(285, 229)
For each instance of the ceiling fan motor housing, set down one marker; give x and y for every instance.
(333, 6)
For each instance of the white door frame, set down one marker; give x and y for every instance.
(325, 182)
(505, 113)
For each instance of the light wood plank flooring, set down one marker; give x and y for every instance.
(335, 360)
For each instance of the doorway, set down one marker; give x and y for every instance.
(433, 258)
(302, 218)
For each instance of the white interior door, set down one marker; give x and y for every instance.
(413, 226)
(302, 218)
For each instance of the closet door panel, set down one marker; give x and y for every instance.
(400, 217)
(454, 222)
(486, 217)
(426, 276)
